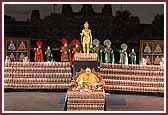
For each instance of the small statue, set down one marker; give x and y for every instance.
(38, 52)
(75, 49)
(157, 49)
(157, 60)
(26, 59)
(96, 49)
(12, 57)
(162, 61)
(48, 54)
(7, 59)
(11, 46)
(123, 54)
(133, 56)
(147, 48)
(109, 55)
(64, 50)
(86, 38)
(143, 61)
(148, 60)
(22, 46)
(87, 78)
(21, 57)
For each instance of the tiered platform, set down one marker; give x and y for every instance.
(86, 95)
(34, 75)
(85, 101)
(138, 78)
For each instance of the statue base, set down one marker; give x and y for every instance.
(82, 57)
(81, 61)
(85, 101)
(84, 64)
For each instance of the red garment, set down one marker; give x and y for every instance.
(12, 58)
(148, 62)
(38, 53)
(70, 59)
(62, 53)
(73, 54)
(69, 56)
(157, 61)
(21, 58)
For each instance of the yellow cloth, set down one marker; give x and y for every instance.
(91, 78)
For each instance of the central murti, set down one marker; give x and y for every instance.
(87, 77)
(86, 38)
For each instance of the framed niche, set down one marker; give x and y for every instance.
(152, 51)
(16, 48)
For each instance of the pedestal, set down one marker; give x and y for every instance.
(84, 64)
(85, 101)
(82, 57)
(81, 61)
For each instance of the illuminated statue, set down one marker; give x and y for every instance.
(157, 60)
(158, 49)
(7, 59)
(148, 60)
(123, 54)
(12, 57)
(21, 57)
(11, 46)
(147, 49)
(86, 38)
(109, 55)
(87, 77)
(38, 52)
(48, 54)
(143, 61)
(133, 56)
(22, 46)
(162, 61)
(76, 48)
(64, 50)
(96, 48)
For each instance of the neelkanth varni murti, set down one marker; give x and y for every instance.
(86, 38)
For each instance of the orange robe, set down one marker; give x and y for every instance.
(21, 58)
(148, 62)
(91, 78)
(157, 61)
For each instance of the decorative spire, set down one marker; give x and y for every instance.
(87, 9)
(67, 10)
(35, 16)
(107, 10)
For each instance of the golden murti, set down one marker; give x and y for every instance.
(86, 38)
(87, 77)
